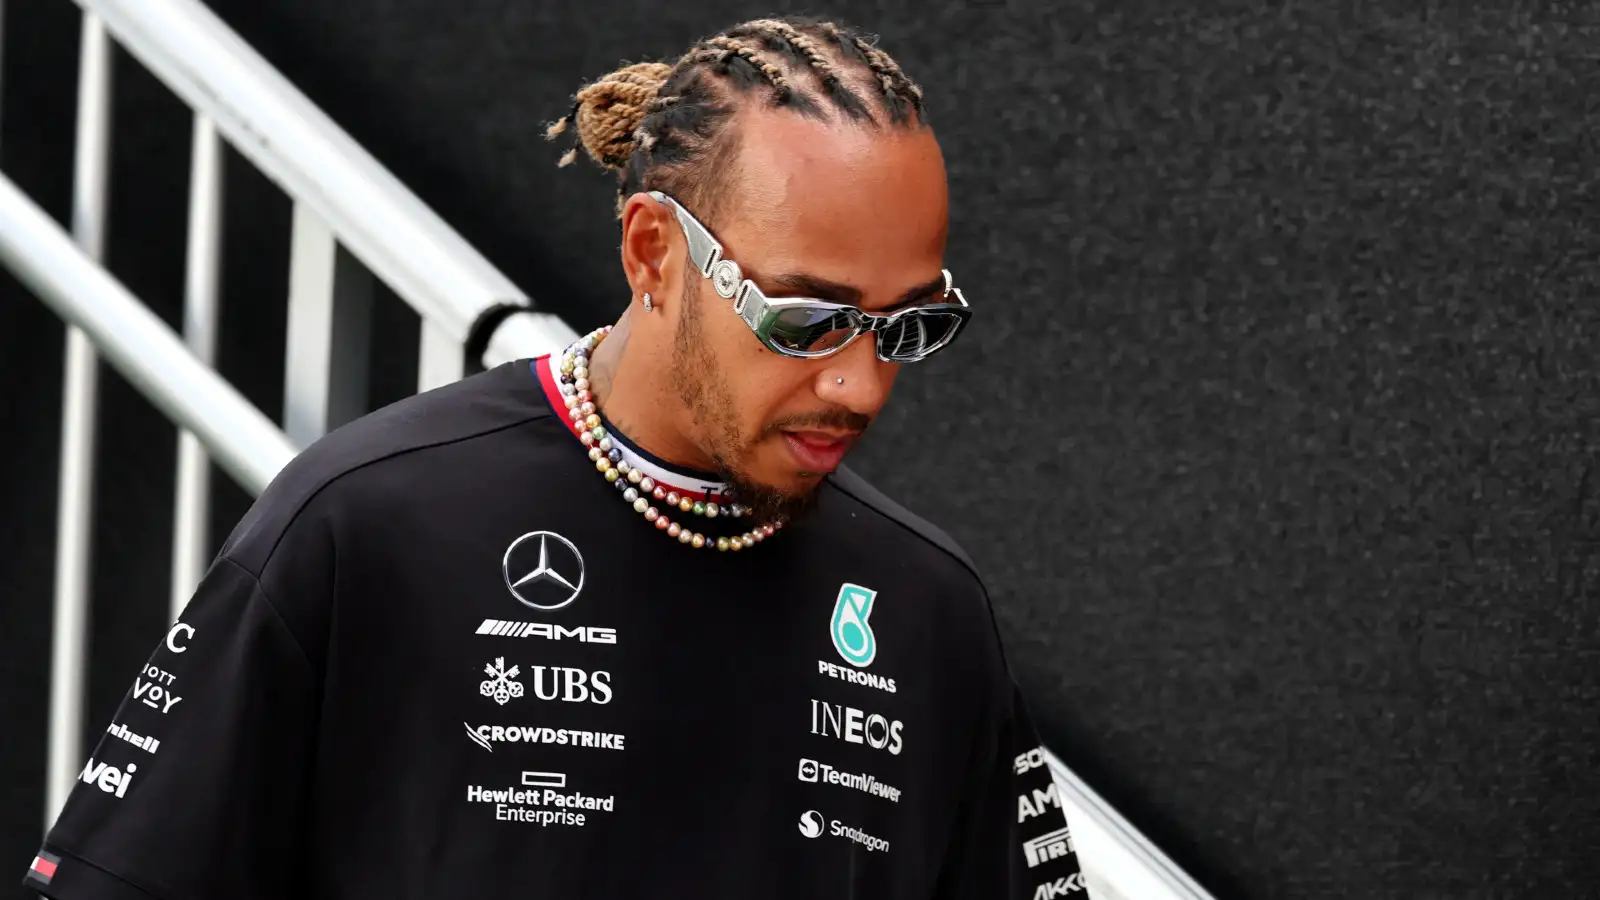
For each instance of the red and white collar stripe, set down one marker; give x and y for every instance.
(548, 369)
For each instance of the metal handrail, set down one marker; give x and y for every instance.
(268, 120)
(1153, 874)
(242, 440)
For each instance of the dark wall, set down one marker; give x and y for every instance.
(1275, 437)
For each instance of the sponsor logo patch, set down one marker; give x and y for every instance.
(543, 570)
(486, 736)
(43, 868)
(542, 799)
(108, 778)
(813, 772)
(561, 683)
(854, 726)
(853, 676)
(1061, 887)
(852, 635)
(811, 826)
(581, 633)
(1048, 846)
(147, 744)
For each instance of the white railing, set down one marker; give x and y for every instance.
(352, 221)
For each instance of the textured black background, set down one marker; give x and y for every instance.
(1275, 439)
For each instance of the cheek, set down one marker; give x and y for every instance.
(761, 385)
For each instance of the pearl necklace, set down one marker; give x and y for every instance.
(637, 488)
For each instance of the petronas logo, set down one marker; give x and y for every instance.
(852, 635)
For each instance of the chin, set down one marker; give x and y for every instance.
(786, 496)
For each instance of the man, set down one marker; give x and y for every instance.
(611, 623)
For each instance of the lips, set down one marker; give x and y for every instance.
(818, 451)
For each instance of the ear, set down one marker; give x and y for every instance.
(650, 235)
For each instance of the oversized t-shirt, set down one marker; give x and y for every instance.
(442, 656)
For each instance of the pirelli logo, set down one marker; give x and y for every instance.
(581, 633)
(1048, 846)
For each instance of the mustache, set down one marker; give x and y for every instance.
(837, 418)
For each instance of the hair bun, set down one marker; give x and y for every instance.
(608, 111)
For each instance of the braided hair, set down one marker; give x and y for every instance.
(664, 127)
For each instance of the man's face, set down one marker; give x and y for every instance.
(822, 211)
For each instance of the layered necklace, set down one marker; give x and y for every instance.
(648, 496)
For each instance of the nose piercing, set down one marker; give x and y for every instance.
(839, 381)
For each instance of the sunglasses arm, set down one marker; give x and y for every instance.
(704, 250)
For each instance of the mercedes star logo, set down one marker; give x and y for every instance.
(543, 570)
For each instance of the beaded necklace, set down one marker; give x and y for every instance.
(637, 488)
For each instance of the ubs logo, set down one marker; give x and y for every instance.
(543, 570)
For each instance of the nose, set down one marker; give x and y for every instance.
(856, 379)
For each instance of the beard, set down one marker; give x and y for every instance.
(698, 381)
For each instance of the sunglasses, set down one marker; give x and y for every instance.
(811, 329)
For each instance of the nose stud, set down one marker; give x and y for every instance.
(838, 381)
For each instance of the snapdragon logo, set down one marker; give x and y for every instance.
(811, 825)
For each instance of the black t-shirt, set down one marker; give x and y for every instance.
(442, 657)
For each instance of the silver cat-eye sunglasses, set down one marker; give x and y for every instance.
(810, 329)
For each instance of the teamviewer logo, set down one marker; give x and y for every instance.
(808, 770)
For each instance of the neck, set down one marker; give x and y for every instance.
(626, 377)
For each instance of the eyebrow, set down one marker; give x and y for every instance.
(804, 284)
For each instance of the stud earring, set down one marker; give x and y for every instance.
(648, 305)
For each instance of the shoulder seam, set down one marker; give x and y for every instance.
(313, 494)
(276, 614)
(964, 563)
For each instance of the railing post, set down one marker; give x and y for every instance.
(440, 360)
(80, 391)
(191, 509)
(330, 329)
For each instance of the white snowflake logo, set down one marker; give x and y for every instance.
(501, 684)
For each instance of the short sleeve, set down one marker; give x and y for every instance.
(197, 787)
(1011, 837)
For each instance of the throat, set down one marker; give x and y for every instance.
(695, 483)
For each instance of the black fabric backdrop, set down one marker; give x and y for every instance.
(1275, 436)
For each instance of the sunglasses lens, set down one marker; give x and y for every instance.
(915, 336)
(811, 330)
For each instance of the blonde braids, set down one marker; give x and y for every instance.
(793, 35)
(608, 113)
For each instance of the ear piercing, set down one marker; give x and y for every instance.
(648, 304)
